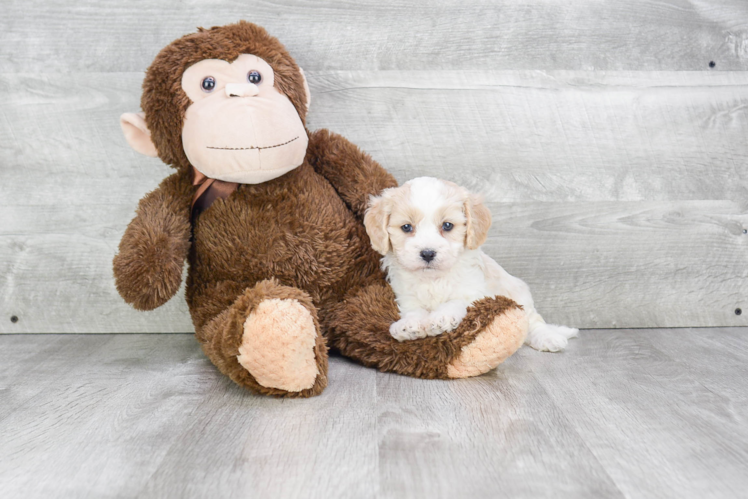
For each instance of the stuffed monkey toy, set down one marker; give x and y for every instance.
(269, 218)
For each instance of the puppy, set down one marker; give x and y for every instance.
(430, 232)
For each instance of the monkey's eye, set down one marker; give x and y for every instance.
(447, 226)
(208, 84)
(254, 76)
(407, 228)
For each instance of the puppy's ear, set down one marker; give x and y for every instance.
(376, 220)
(478, 221)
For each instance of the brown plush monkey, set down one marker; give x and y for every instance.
(269, 217)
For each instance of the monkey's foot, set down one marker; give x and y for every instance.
(269, 341)
(492, 329)
(278, 345)
(499, 339)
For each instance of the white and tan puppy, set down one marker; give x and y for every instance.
(430, 232)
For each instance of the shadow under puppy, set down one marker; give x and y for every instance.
(430, 232)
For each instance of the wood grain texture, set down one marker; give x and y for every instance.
(621, 413)
(33, 365)
(104, 421)
(559, 136)
(549, 136)
(647, 414)
(497, 436)
(49, 36)
(264, 447)
(619, 197)
(628, 264)
(729, 346)
(589, 264)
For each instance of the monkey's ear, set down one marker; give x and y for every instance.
(306, 90)
(376, 220)
(478, 221)
(137, 134)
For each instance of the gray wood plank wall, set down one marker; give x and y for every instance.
(612, 155)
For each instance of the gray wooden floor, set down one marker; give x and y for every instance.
(632, 413)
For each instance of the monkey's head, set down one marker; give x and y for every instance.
(230, 101)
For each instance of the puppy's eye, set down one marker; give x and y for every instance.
(447, 226)
(208, 84)
(407, 228)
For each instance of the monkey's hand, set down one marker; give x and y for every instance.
(353, 173)
(148, 267)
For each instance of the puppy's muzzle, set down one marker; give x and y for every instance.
(428, 255)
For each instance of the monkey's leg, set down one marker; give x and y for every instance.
(269, 341)
(493, 330)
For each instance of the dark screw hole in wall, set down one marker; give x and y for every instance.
(738, 311)
(712, 64)
(14, 319)
(745, 231)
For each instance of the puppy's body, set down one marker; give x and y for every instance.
(430, 232)
(474, 276)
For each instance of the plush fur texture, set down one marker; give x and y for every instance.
(360, 330)
(148, 267)
(165, 103)
(298, 238)
(240, 131)
(223, 336)
(278, 345)
(485, 353)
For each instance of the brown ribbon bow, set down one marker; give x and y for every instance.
(208, 191)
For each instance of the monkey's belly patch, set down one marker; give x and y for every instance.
(278, 345)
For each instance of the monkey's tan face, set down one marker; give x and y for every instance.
(239, 127)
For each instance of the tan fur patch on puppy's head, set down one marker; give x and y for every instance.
(378, 215)
(427, 223)
(478, 221)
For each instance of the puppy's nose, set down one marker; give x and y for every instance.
(428, 255)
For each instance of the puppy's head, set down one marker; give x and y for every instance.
(427, 223)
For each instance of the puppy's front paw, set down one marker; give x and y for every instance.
(444, 321)
(408, 328)
(447, 317)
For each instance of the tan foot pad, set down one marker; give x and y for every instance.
(492, 346)
(278, 345)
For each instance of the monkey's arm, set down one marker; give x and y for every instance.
(148, 267)
(353, 173)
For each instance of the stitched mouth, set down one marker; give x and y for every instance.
(256, 147)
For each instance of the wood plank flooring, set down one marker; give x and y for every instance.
(621, 413)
